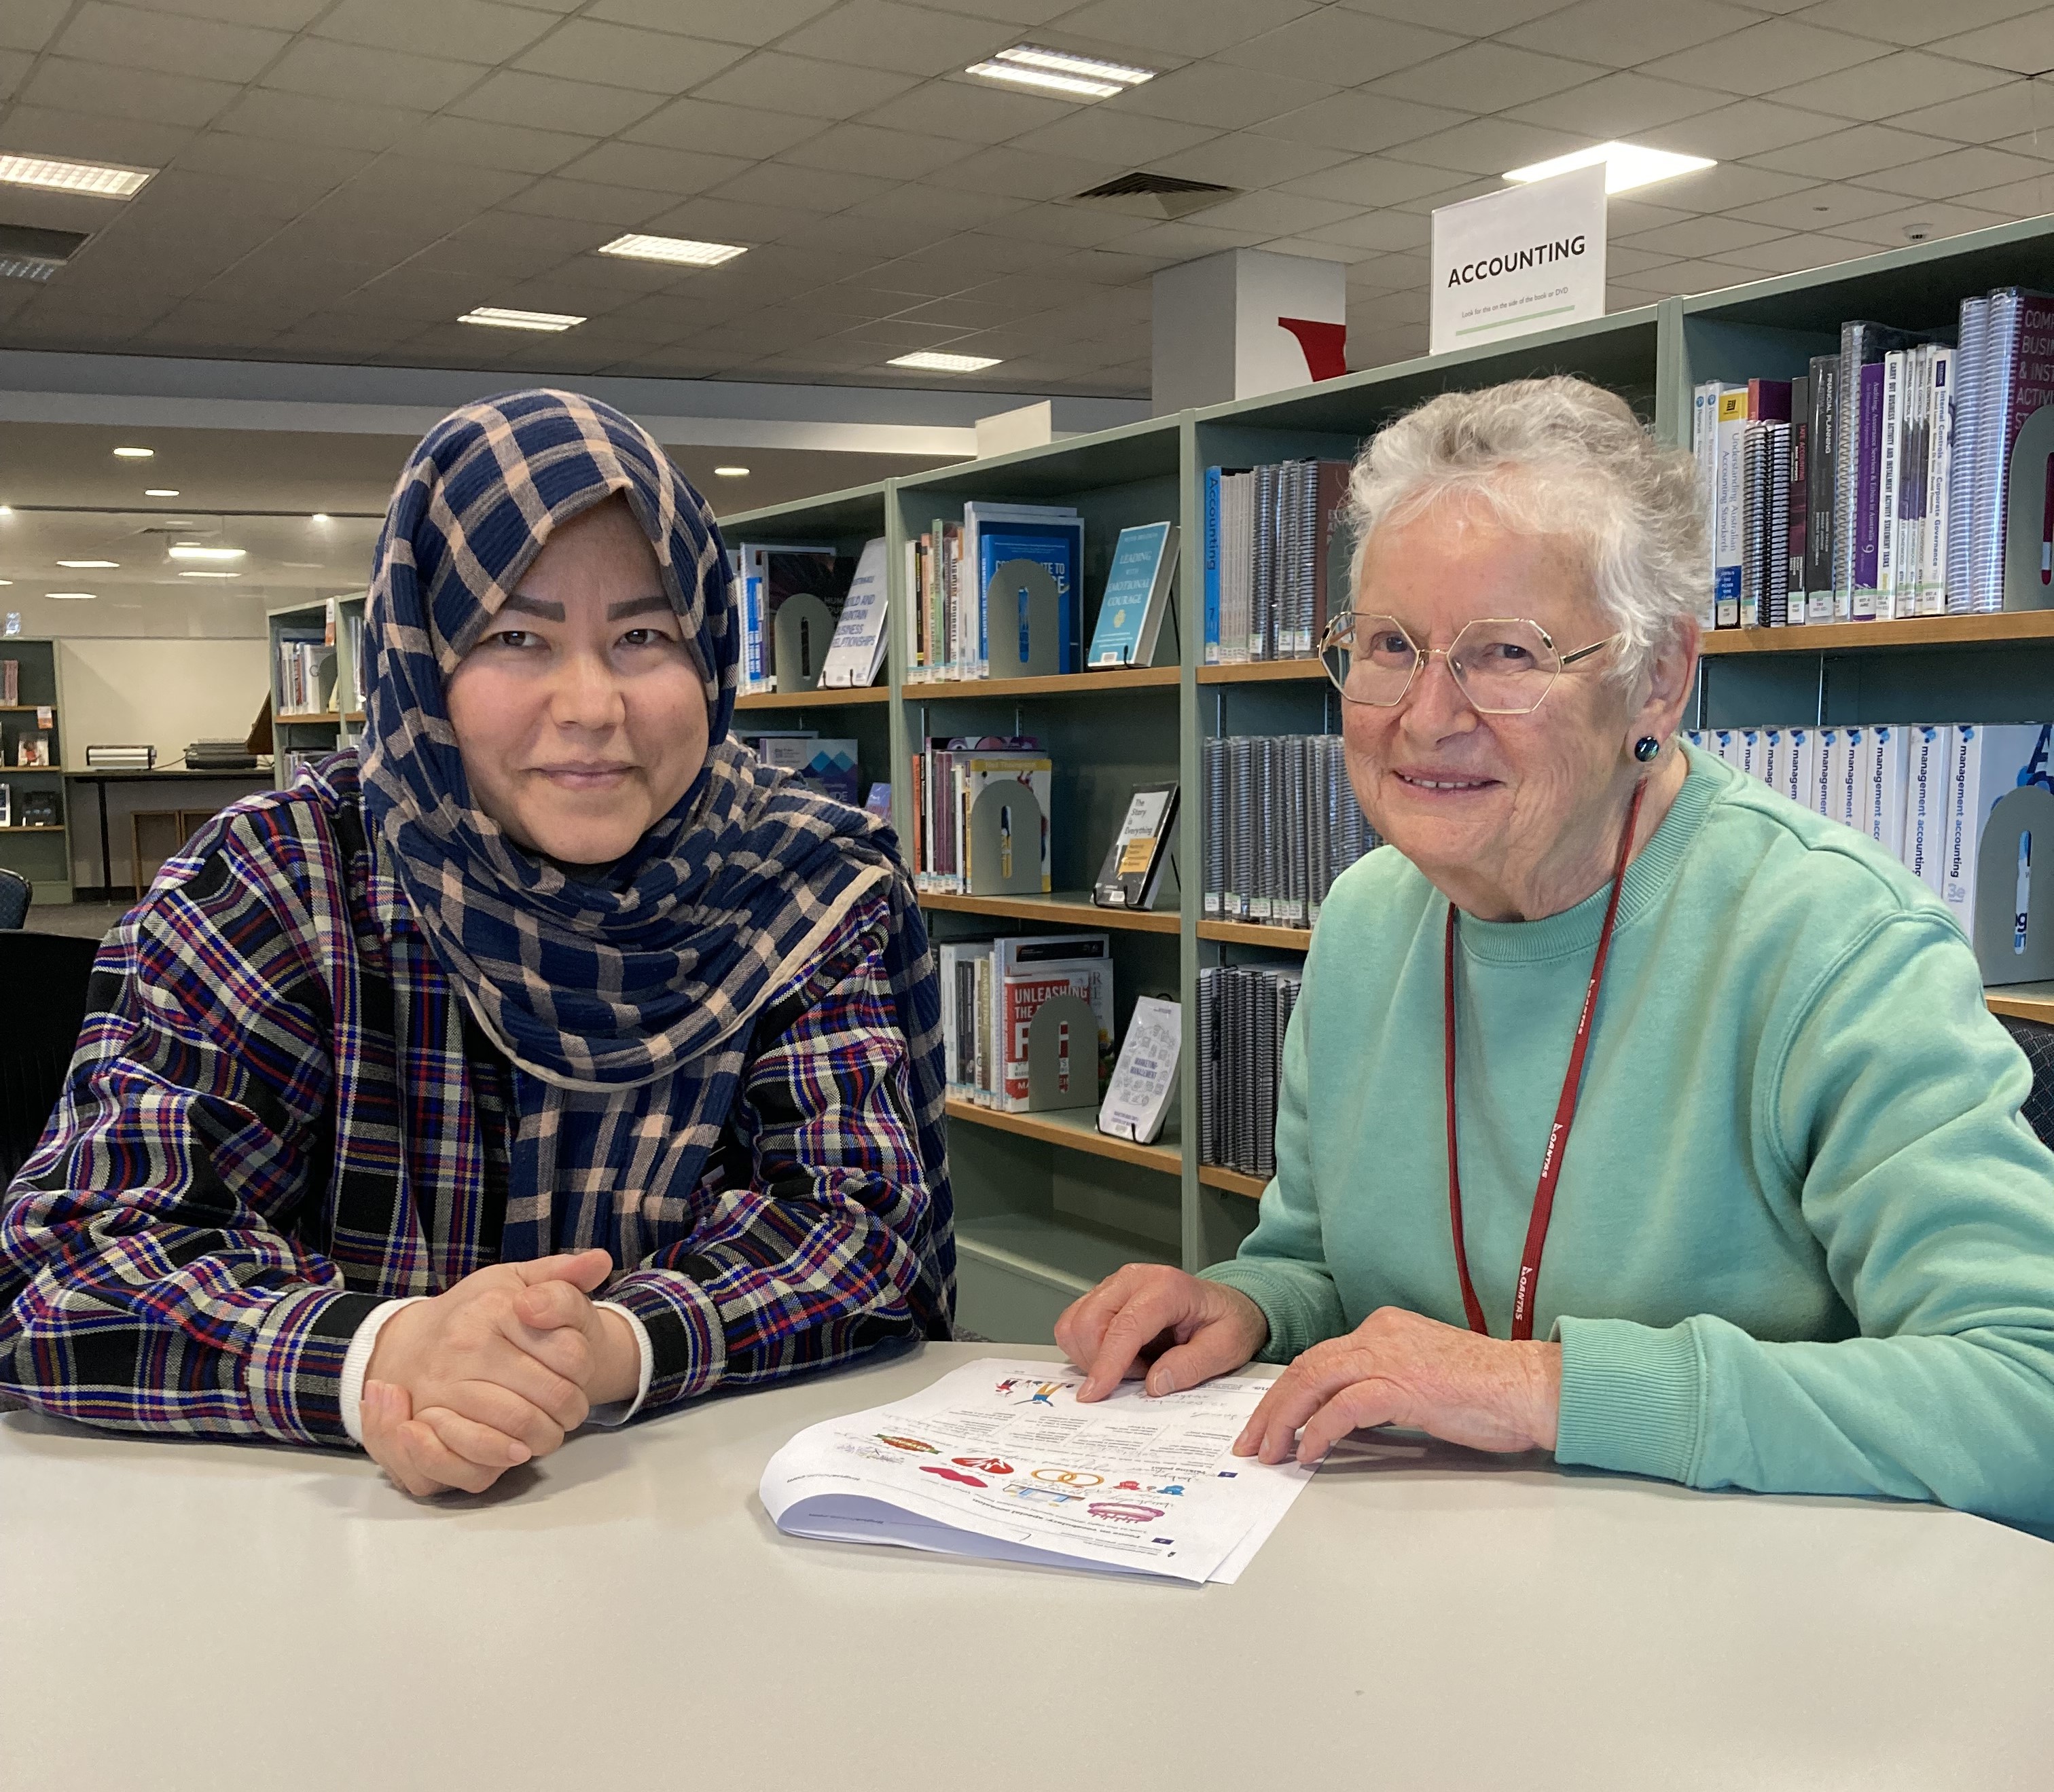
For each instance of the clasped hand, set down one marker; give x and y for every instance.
(1396, 1368)
(494, 1371)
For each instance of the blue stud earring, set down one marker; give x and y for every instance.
(1646, 748)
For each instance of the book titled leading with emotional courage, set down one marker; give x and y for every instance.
(1137, 593)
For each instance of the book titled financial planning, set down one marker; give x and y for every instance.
(1137, 594)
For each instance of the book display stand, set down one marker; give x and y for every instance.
(1045, 1204)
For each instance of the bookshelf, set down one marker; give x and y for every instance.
(1045, 1206)
(332, 625)
(42, 853)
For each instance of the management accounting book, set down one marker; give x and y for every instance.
(1137, 594)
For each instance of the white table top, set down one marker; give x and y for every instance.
(218, 1616)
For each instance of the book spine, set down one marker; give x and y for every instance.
(1847, 475)
(1778, 570)
(1212, 638)
(1754, 524)
(1262, 615)
(1730, 512)
(1993, 446)
(1821, 488)
(1890, 466)
(1797, 518)
(1961, 454)
(1218, 812)
(2033, 387)
(1705, 449)
(1868, 467)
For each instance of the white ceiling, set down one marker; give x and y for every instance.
(343, 177)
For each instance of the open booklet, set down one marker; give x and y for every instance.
(999, 1459)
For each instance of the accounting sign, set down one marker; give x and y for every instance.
(1531, 257)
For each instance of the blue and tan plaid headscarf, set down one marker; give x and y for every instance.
(625, 1002)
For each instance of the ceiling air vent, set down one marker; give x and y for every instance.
(1157, 195)
(29, 254)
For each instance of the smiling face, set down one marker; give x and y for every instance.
(580, 714)
(1510, 816)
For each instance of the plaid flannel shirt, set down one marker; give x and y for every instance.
(281, 1115)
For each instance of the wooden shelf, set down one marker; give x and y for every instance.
(326, 716)
(1067, 908)
(1063, 684)
(58, 829)
(1262, 671)
(28, 771)
(1076, 1128)
(812, 699)
(1916, 631)
(26, 709)
(1251, 932)
(2023, 1001)
(1214, 1176)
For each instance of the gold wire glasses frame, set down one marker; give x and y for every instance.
(1504, 665)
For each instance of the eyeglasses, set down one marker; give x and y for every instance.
(1503, 665)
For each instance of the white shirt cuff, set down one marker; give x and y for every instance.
(621, 1411)
(358, 1359)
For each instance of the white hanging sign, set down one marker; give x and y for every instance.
(1531, 257)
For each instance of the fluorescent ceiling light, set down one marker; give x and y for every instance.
(500, 318)
(1084, 68)
(318, 517)
(1627, 166)
(927, 361)
(26, 267)
(161, 491)
(190, 573)
(71, 597)
(109, 180)
(192, 551)
(685, 251)
(135, 453)
(82, 566)
(730, 473)
(1045, 81)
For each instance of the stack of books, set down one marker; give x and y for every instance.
(306, 675)
(949, 774)
(1276, 559)
(950, 568)
(1282, 823)
(990, 992)
(1243, 1012)
(1874, 486)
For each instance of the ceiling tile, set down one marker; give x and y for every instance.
(1912, 21)
(945, 209)
(133, 141)
(1726, 187)
(1075, 227)
(466, 30)
(1860, 150)
(1791, 254)
(620, 55)
(1761, 57)
(1226, 99)
(672, 171)
(1004, 169)
(1372, 180)
(2024, 45)
(1620, 104)
(2021, 198)
(483, 143)
(1627, 218)
(347, 72)
(1702, 236)
(696, 124)
(1013, 12)
(1487, 146)
(734, 21)
(1244, 159)
(2011, 110)
(777, 184)
(1471, 189)
(1962, 171)
(1277, 214)
(782, 83)
(167, 43)
(1821, 207)
(1486, 77)
(303, 118)
(28, 24)
(1924, 222)
(884, 34)
(1621, 33)
(1746, 127)
(1200, 27)
(1362, 122)
(711, 220)
(515, 97)
(1346, 49)
(1890, 86)
(970, 110)
(1473, 18)
(624, 207)
(1098, 134)
(866, 149)
(259, 159)
(14, 66)
(65, 85)
(1381, 231)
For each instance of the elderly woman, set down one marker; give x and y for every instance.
(391, 1070)
(1727, 1062)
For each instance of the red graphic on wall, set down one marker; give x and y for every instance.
(1325, 345)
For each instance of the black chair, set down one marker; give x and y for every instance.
(16, 894)
(44, 978)
(2036, 1040)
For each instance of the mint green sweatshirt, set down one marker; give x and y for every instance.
(1803, 1242)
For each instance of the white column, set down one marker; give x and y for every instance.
(1218, 333)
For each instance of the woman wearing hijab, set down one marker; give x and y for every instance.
(554, 994)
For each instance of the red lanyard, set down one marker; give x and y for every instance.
(1565, 1113)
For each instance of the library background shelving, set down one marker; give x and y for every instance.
(1044, 1204)
(315, 731)
(41, 854)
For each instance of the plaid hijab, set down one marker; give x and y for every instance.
(624, 1002)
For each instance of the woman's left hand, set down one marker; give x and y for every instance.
(1401, 1368)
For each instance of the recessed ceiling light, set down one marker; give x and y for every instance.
(27, 267)
(109, 180)
(1627, 166)
(190, 573)
(192, 551)
(71, 597)
(82, 566)
(135, 453)
(161, 491)
(685, 251)
(500, 318)
(730, 473)
(1056, 71)
(318, 517)
(927, 361)
(6, 581)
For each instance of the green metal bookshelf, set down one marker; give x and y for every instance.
(1045, 1205)
(42, 853)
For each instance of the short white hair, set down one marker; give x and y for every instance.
(1557, 457)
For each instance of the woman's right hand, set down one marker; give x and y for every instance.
(1193, 1330)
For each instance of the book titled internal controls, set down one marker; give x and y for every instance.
(999, 1459)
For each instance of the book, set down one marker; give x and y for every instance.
(826, 766)
(1937, 553)
(1133, 867)
(1051, 536)
(781, 572)
(32, 750)
(1704, 448)
(1282, 824)
(1866, 517)
(1910, 795)
(1137, 594)
(39, 809)
(1972, 339)
(1244, 1014)
(1821, 487)
(2021, 362)
(10, 681)
(1797, 514)
(1029, 970)
(975, 773)
(1730, 508)
(857, 651)
(999, 1460)
(1144, 1080)
(1985, 760)
(1863, 345)
(7, 805)
(1892, 457)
